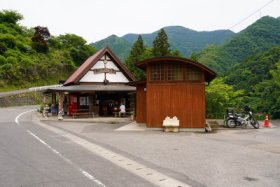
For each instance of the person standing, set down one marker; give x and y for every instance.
(122, 110)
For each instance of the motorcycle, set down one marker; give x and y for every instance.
(234, 119)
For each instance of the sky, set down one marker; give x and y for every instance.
(97, 19)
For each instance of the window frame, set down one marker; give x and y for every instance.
(157, 72)
(167, 72)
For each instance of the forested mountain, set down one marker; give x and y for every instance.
(253, 70)
(258, 37)
(31, 56)
(249, 69)
(254, 82)
(180, 38)
(259, 77)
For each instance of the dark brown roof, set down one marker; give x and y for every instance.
(85, 67)
(209, 74)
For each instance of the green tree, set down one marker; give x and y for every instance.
(79, 55)
(8, 16)
(40, 38)
(3, 60)
(220, 96)
(70, 40)
(3, 48)
(24, 64)
(176, 53)
(76, 45)
(194, 56)
(264, 97)
(161, 45)
(276, 80)
(276, 74)
(8, 41)
(136, 54)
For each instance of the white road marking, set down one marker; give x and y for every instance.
(132, 166)
(83, 172)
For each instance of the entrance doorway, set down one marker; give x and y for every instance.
(110, 102)
(103, 104)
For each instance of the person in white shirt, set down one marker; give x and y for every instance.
(122, 110)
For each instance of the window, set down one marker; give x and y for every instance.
(157, 72)
(174, 71)
(84, 100)
(193, 73)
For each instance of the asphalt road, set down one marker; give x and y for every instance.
(59, 153)
(33, 156)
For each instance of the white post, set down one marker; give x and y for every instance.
(60, 106)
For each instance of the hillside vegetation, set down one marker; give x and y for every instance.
(259, 77)
(30, 57)
(249, 69)
(258, 37)
(254, 82)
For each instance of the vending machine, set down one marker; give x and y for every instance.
(73, 104)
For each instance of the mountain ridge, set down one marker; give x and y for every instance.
(259, 36)
(180, 38)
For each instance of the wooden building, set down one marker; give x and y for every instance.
(173, 87)
(98, 86)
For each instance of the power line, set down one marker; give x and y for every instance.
(256, 11)
(251, 14)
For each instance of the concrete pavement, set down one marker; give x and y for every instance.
(229, 157)
(130, 125)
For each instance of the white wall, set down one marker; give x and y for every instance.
(91, 77)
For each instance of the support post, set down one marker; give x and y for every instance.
(60, 106)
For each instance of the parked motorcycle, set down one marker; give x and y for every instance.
(234, 119)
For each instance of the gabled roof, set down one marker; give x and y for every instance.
(209, 74)
(85, 67)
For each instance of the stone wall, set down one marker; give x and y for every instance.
(21, 99)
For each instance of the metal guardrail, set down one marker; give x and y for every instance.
(5, 94)
(33, 89)
(215, 115)
(42, 88)
(257, 115)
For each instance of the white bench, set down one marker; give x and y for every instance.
(82, 113)
(121, 114)
(171, 124)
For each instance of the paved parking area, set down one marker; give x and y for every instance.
(227, 157)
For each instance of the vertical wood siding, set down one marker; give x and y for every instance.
(184, 100)
(141, 111)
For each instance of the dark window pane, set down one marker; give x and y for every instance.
(193, 73)
(157, 72)
(174, 71)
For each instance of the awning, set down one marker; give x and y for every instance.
(92, 88)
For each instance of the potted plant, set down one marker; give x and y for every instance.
(132, 115)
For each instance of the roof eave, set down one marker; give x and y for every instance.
(211, 74)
